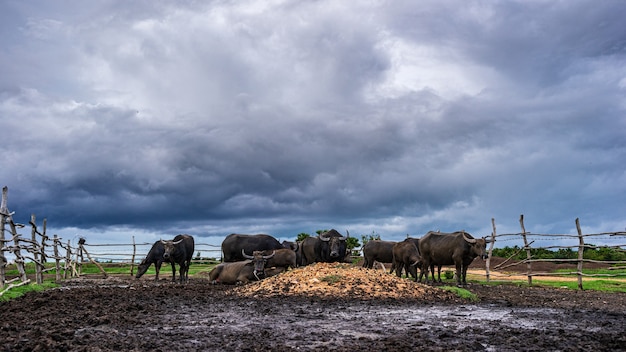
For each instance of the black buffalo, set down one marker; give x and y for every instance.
(281, 258)
(179, 251)
(457, 248)
(239, 273)
(327, 247)
(234, 244)
(259, 260)
(406, 256)
(377, 250)
(290, 245)
(155, 256)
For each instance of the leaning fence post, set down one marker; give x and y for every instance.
(81, 245)
(528, 255)
(581, 250)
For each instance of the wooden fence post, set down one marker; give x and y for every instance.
(528, 255)
(68, 260)
(581, 250)
(44, 237)
(493, 240)
(36, 251)
(3, 214)
(57, 259)
(132, 262)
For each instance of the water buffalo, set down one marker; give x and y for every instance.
(240, 272)
(234, 243)
(290, 245)
(458, 248)
(259, 260)
(309, 251)
(406, 256)
(377, 250)
(285, 258)
(327, 247)
(155, 255)
(179, 251)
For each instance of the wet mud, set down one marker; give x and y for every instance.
(124, 314)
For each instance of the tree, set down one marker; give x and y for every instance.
(372, 236)
(301, 236)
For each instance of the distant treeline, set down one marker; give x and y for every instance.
(590, 252)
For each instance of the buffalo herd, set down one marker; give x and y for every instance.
(255, 257)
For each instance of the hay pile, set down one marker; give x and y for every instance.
(340, 280)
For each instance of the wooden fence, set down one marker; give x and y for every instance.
(580, 246)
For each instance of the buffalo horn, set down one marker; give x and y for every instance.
(245, 255)
(469, 240)
(324, 238)
(269, 256)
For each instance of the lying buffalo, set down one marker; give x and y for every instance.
(241, 272)
(259, 260)
(155, 256)
(377, 250)
(458, 248)
(284, 258)
(179, 251)
(406, 256)
(234, 244)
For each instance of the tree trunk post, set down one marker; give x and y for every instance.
(493, 240)
(3, 214)
(57, 259)
(528, 255)
(132, 262)
(36, 251)
(581, 250)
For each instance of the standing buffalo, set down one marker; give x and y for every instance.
(290, 245)
(155, 255)
(377, 250)
(406, 256)
(458, 248)
(327, 247)
(234, 244)
(180, 251)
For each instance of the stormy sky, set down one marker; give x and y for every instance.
(154, 118)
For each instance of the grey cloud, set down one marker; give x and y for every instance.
(210, 118)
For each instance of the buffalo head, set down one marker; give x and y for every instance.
(477, 245)
(336, 243)
(169, 248)
(259, 260)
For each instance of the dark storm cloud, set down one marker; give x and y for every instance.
(212, 118)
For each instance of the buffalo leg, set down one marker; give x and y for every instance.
(157, 268)
(173, 272)
(459, 269)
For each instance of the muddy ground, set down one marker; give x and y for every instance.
(122, 314)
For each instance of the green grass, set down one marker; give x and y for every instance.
(589, 283)
(461, 292)
(21, 290)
